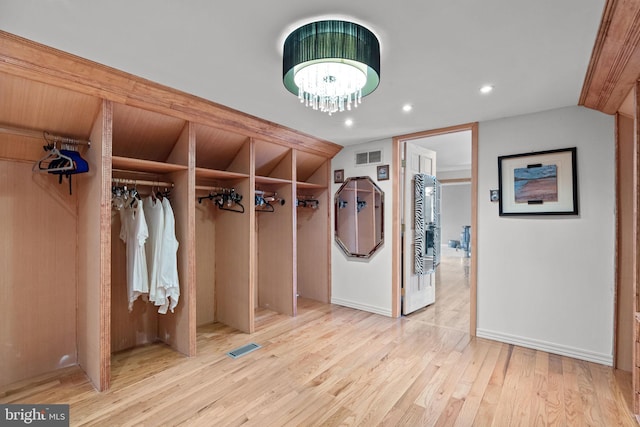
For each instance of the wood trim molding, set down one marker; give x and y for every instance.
(635, 251)
(396, 237)
(473, 268)
(454, 180)
(615, 59)
(34, 61)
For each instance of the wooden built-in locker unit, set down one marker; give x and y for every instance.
(313, 226)
(61, 254)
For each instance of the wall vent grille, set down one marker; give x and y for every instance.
(368, 158)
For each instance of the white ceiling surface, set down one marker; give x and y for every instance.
(435, 54)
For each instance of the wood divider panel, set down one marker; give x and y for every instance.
(283, 169)
(243, 162)
(94, 254)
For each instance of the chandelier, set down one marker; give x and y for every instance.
(331, 65)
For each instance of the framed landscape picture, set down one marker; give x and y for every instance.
(540, 183)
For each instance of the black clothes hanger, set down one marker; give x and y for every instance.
(263, 204)
(227, 200)
(264, 199)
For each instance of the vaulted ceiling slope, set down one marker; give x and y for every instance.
(435, 54)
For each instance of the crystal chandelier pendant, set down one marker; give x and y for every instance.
(331, 86)
(331, 65)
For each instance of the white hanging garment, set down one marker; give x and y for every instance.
(168, 291)
(134, 233)
(154, 214)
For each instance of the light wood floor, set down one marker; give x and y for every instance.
(338, 366)
(452, 293)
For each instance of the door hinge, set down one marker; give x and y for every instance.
(402, 228)
(404, 163)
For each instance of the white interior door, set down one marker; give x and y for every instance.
(417, 291)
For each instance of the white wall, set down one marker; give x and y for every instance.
(364, 284)
(548, 282)
(455, 210)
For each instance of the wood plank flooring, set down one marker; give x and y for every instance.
(332, 366)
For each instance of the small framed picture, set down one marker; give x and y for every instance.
(383, 172)
(338, 176)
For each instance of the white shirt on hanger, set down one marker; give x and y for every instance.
(134, 233)
(168, 291)
(154, 214)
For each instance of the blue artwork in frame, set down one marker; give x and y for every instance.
(539, 183)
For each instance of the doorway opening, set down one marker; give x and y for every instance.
(456, 269)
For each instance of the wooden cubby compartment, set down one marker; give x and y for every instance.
(40, 226)
(313, 225)
(223, 238)
(151, 147)
(276, 287)
(273, 163)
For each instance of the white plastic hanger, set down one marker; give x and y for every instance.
(53, 154)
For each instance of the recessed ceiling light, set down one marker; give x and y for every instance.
(407, 107)
(486, 88)
(348, 122)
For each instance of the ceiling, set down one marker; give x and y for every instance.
(435, 55)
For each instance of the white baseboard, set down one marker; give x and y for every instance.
(563, 350)
(363, 307)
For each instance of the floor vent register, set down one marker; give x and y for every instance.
(241, 351)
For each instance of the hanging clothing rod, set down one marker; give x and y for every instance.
(39, 134)
(209, 188)
(141, 182)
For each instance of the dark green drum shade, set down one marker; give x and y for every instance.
(352, 47)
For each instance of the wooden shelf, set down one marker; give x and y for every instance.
(309, 185)
(269, 180)
(140, 165)
(218, 174)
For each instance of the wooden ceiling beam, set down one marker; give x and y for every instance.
(615, 60)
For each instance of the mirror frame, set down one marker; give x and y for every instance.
(427, 225)
(339, 204)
